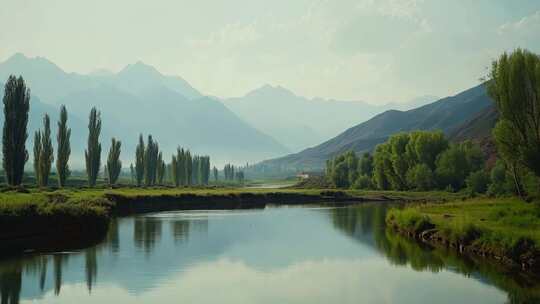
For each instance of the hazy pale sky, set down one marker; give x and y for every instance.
(373, 50)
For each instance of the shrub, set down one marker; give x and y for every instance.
(477, 182)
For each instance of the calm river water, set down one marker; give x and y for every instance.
(276, 255)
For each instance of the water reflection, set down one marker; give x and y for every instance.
(366, 225)
(262, 256)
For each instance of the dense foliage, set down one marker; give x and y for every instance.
(419, 160)
(515, 87)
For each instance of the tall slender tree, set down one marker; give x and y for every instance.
(37, 156)
(181, 166)
(114, 164)
(47, 154)
(175, 174)
(139, 161)
(93, 152)
(150, 161)
(216, 174)
(64, 148)
(160, 170)
(188, 161)
(16, 107)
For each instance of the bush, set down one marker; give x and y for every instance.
(409, 219)
(477, 182)
(531, 185)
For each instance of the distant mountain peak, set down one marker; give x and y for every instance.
(139, 67)
(270, 90)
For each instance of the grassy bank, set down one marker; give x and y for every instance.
(33, 215)
(507, 229)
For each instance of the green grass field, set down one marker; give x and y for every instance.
(504, 223)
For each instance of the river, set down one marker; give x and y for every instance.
(276, 255)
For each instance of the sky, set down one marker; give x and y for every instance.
(377, 51)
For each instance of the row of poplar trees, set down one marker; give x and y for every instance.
(150, 168)
(15, 133)
(184, 169)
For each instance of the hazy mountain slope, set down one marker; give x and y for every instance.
(478, 127)
(139, 77)
(445, 114)
(298, 122)
(140, 99)
(204, 125)
(45, 79)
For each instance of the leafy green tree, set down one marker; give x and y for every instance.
(139, 161)
(181, 166)
(424, 147)
(362, 182)
(381, 166)
(37, 155)
(400, 164)
(366, 165)
(515, 87)
(477, 182)
(498, 179)
(188, 163)
(420, 177)
(175, 173)
(161, 167)
(150, 161)
(64, 148)
(16, 107)
(216, 174)
(43, 153)
(114, 164)
(456, 163)
(93, 152)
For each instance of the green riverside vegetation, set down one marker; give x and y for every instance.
(501, 224)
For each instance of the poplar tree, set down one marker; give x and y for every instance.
(181, 166)
(175, 174)
(160, 170)
(93, 152)
(114, 164)
(139, 161)
(188, 168)
(16, 107)
(47, 154)
(216, 174)
(64, 148)
(37, 156)
(132, 173)
(150, 161)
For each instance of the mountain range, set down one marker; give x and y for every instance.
(465, 115)
(139, 99)
(298, 122)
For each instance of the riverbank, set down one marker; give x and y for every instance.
(41, 219)
(504, 229)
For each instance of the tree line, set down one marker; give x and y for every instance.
(419, 160)
(150, 169)
(422, 160)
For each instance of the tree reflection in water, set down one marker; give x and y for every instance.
(366, 224)
(147, 231)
